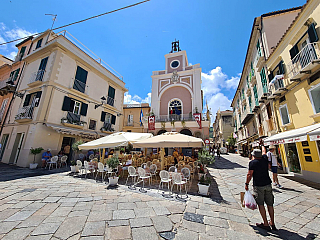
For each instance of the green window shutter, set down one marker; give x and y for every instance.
(111, 92)
(66, 104)
(43, 64)
(16, 73)
(281, 67)
(258, 48)
(294, 51)
(81, 74)
(84, 109)
(113, 119)
(22, 51)
(103, 116)
(313, 36)
(27, 100)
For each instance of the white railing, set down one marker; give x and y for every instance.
(306, 56)
(37, 76)
(84, 48)
(175, 117)
(276, 83)
(25, 113)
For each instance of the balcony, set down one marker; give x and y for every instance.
(36, 78)
(73, 120)
(80, 86)
(276, 86)
(129, 124)
(6, 85)
(24, 114)
(303, 63)
(175, 117)
(110, 101)
(271, 126)
(259, 62)
(107, 127)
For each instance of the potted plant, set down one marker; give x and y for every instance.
(205, 158)
(35, 151)
(74, 167)
(113, 163)
(204, 185)
(201, 172)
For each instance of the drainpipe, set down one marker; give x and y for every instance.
(11, 101)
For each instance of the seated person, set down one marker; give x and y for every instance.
(110, 155)
(46, 156)
(121, 155)
(127, 164)
(141, 154)
(90, 152)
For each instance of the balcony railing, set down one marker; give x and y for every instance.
(304, 60)
(73, 118)
(176, 117)
(110, 101)
(270, 123)
(37, 76)
(129, 124)
(277, 85)
(107, 127)
(80, 86)
(25, 113)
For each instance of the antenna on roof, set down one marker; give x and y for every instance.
(54, 17)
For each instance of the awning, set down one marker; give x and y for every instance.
(76, 132)
(295, 135)
(255, 144)
(242, 142)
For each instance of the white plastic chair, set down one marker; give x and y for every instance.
(164, 178)
(186, 174)
(53, 161)
(133, 174)
(100, 170)
(63, 160)
(143, 176)
(172, 169)
(87, 168)
(177, 180)
(149, 163)
(79, 165)
(153, 171)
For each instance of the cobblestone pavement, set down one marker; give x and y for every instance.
(59, 206)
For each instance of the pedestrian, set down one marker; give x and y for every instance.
(258, 169)
(272, 157)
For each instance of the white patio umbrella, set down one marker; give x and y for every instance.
(169, 139)
(115, 140)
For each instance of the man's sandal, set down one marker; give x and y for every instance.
(260, 225)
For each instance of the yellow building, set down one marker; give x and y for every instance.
(132, 113)
(294, 87)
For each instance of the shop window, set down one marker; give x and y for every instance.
(284, 114)
(314, 94)
(292, 157)
(92, 124)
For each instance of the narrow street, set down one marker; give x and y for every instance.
(59, 206)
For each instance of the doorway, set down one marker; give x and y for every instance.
(4, 142)
(66, 147)
(16, 148)
(292, 158)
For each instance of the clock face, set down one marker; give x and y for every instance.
(175, 64)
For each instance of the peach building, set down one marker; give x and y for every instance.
(177, 96)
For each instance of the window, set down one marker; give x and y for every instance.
(250, 103)
(111, 95)
(14, 75)
(255, 93)
(92, 124)
(284, 114)
(175, 109)
(39, 43)
(41, 70)
(258, 48)
(76, 109)
(130, 120)
(80, 80)
(20, 55)
(252, 70)
(264, 80)
(108, 118)
(314, 94)
(278, 70)
(32, 99)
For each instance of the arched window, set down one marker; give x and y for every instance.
(175, 109)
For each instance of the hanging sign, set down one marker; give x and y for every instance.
(197, 117)
(151, 123)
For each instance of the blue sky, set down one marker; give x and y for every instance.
(134, 41)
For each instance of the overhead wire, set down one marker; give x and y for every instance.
(80, 21)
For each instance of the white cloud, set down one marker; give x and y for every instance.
(129, 99)
(213, 83)
(12, 55)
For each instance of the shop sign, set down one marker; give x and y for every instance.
(197, 117)
(314, 137)
(287, 140)
(151, 123)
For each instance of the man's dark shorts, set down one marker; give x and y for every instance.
(274, 169)
(263, 195)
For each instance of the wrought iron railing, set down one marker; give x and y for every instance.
(25, 113)
(276, 83)
(79, 86)
(110, 101)
(37, 76)
(307, 55)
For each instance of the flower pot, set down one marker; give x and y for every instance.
(33, 165)
(113, 181)
(200, 175)
(203, 189)
(74, 168)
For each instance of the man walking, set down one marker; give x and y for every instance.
(258, 169)
(272, 157)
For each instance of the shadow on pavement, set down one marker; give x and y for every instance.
(12, 172)
(283, 234)
(303, 181)
(222, 163)
(286, 189)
